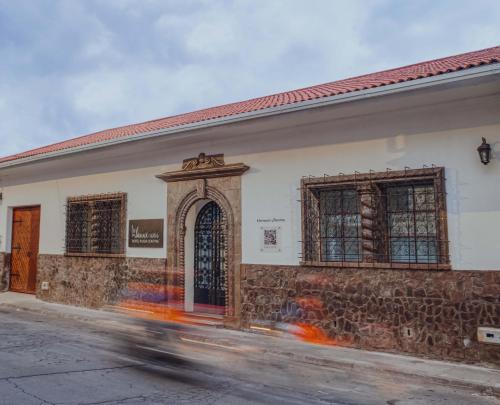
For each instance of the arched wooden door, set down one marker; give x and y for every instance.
(210, 281)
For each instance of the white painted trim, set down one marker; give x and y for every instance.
(470, 73)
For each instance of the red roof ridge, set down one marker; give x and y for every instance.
(351, 84)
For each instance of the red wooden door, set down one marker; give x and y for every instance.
(24, 254)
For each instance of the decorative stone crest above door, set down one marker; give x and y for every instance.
(202, 180)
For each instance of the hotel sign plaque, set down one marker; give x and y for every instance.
(145, 233)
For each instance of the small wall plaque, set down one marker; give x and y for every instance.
(145, 233)
(270, 240)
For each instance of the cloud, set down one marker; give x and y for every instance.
(70, 67)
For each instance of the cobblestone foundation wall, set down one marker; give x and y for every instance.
(4, 271)
(93, 281)
(426, 313)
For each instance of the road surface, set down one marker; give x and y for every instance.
(53, 360)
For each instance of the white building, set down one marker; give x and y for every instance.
(372, 185)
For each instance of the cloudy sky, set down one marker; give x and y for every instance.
(71, 67)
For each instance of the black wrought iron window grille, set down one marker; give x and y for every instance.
(395, 217)
(340, 225)
(412, 223)
(95, 225)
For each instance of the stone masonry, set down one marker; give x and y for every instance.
(226, 192)
(4, 271)
(426, 313)
(93, 281)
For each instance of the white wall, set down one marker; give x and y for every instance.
(146, 199)
(270, 189)
(189, 242)
(446, 135)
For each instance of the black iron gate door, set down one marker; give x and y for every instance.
(210, 257)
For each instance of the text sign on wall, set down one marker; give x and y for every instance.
(145, 233)
(270, 234)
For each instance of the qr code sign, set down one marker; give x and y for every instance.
(270, 238)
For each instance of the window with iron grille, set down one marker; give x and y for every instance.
(340, 225)
(412, 223)
(395, 217)
(95, 225)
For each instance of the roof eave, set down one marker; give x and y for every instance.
(389, 89)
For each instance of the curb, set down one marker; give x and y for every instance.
(366, 366)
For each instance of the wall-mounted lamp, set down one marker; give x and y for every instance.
(484, 151)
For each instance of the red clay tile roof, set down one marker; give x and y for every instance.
(398, 75)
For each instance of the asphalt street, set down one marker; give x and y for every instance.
(52, 360)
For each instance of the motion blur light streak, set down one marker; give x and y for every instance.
(168, 336)
(260, 328)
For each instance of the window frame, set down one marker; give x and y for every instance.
(413, 240)
(310, 187)
(122, 197)
(343, 214)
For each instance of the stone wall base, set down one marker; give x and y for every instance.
(424, 313)
(4, 271)
(93, 281)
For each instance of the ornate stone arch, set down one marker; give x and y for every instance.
(206, 177)
(179, 258)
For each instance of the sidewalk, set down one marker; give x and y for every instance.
(479, 378)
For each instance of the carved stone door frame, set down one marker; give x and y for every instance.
(202, 178)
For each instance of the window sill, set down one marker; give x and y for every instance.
(381, 266)
(98, 255)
